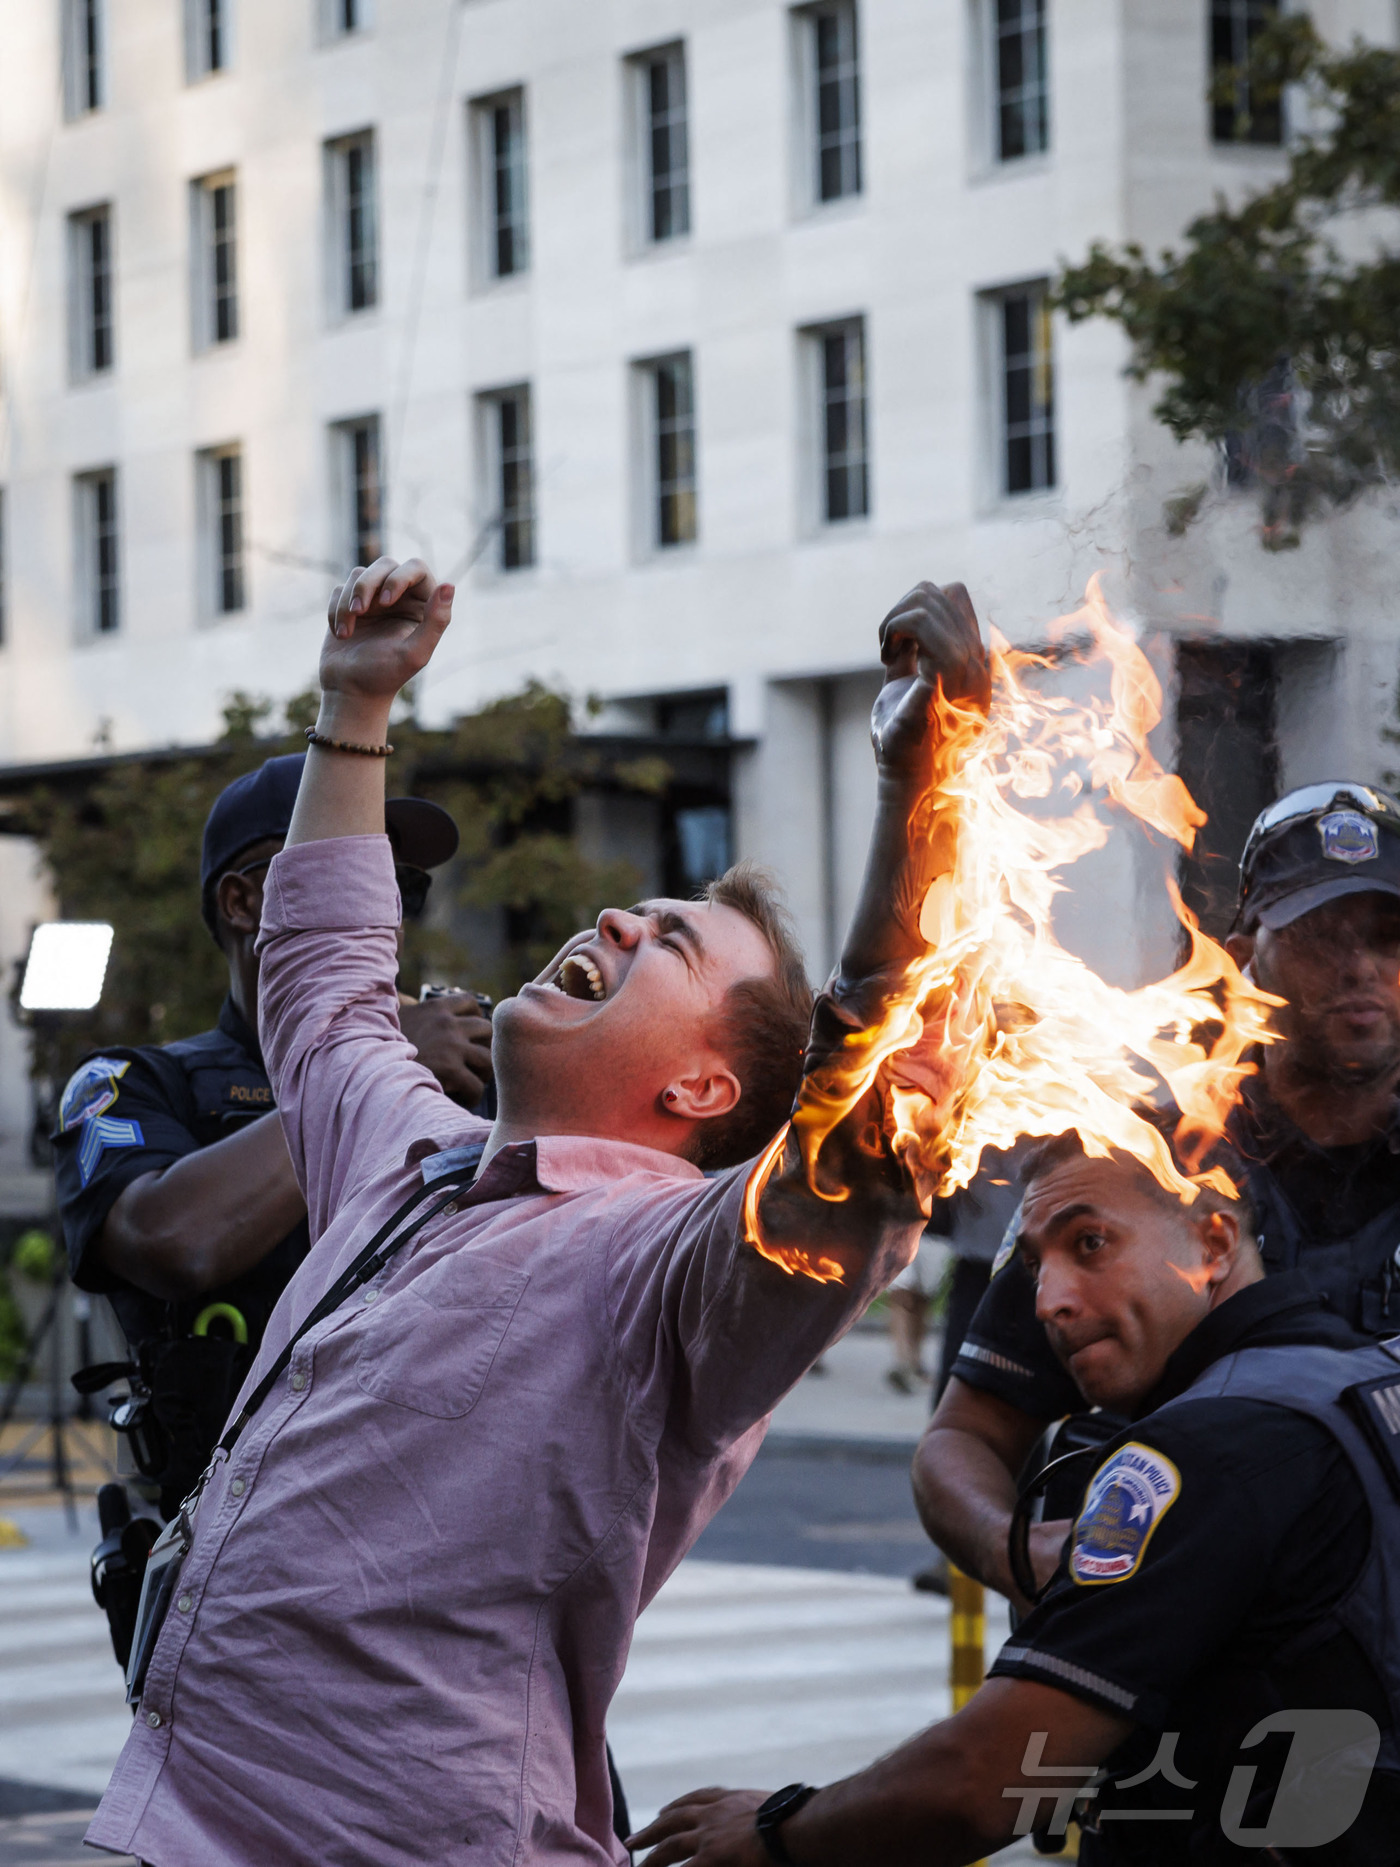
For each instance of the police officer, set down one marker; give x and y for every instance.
(176, 1190)
(1318, 923)
(1220, 1634)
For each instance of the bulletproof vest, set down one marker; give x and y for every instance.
(1355, 1395)
(1359, 1276)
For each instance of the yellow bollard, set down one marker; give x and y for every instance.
(967, 1627)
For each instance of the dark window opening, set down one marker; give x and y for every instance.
(516, 483)
(845, 463)
(694, 716)
(224, 263)
(228, 517)
(837, 74)
(361, 258)
(675, 452)
(1022, 77)
(89, 34)
(667, 146)
(1227, 757)
(1028, 393)
(1243, 116)
(510, 245)
(696, 839)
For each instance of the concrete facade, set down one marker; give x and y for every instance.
(768, 604)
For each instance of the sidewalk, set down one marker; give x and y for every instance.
(852, 1399)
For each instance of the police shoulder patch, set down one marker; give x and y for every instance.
(92, 1089)
(1127, 1498)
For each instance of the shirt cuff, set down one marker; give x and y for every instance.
(341, 882)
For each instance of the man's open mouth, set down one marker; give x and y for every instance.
(578, 977)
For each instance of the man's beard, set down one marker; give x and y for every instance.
(1314, 1058)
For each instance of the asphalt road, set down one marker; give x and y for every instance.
(812, 1504)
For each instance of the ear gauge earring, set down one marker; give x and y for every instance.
(669, 1097)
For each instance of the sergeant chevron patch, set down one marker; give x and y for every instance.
(101, 1132)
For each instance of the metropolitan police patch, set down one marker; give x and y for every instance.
(1347, 836)
(92, 1089)
(1128, 1497)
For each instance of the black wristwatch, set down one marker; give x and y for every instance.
(769, 1817)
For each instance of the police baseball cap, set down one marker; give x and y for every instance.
(1315, 845)
(259, 806)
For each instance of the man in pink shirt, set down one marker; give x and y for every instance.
(414, 1577)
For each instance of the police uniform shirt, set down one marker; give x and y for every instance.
(1332, 1193)
(1235, 1528)
(129, 1112)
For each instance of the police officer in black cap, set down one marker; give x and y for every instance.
(1318, 923)
(1213, 1674)
(176, 1190)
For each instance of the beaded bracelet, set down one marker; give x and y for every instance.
(342, 745)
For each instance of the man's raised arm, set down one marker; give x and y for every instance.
(835, 1170)
(348, 1091)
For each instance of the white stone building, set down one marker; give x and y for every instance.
(684, 334)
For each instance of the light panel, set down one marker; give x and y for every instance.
(66, 966)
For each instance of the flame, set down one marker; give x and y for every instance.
(794, 1259)
(997, 1031)
(1199, 1279)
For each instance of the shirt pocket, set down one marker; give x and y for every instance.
(435, 1357)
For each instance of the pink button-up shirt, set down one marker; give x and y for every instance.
(413, 1583)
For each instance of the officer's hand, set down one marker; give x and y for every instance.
(712, 1827)
(385, 623)
(453, 1039)
(929, 640)
(1047, 1543)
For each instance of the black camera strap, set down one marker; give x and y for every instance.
(370, 1262)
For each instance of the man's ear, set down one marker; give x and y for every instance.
(1219, 1235)
(238, 900)
(704, 1095)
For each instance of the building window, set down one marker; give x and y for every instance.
(84, 56)
(99, 585)
(501, 156)
(214, 202)
(342, 17)
(1021, 322)
(90, 291)
(360, 489)
(220, 493)
(1022, 78)
(208, 38)
(833, 62)
(665, 144)
(354, 222)
(837, 354)
(669, 417)
(1240, 116)
(510, 468)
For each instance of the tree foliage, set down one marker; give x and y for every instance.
(125, 848)
(1271, 337)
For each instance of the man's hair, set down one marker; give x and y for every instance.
(762, 1028)
(1046, 1155)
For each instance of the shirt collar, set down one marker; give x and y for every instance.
(1223, 1330)
(554, 1163)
